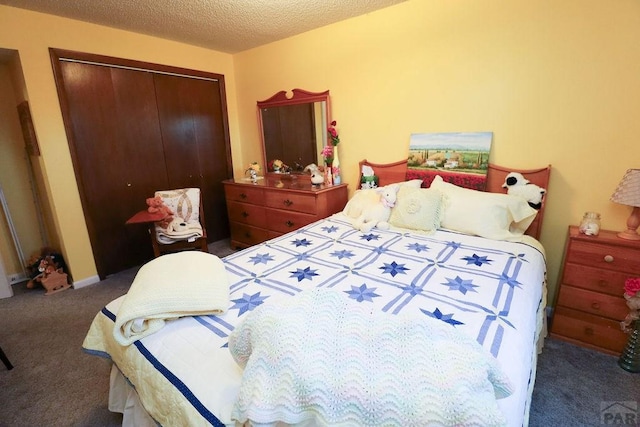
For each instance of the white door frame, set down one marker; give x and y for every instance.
(5, 287)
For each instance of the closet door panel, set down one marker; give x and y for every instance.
(118, 156)
(194, 139)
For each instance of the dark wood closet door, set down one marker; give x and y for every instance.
(193, 135)
(118, 156)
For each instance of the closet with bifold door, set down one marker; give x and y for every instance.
(135, 128)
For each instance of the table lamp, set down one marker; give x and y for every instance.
(628, 193)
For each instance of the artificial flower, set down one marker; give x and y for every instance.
(632, 286)
(632, 297)
(278, 165)
(253, 167)
(327, 153)
(333, 133)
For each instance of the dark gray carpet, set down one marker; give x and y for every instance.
(54, 383)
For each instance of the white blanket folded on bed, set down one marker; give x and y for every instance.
(189, 283)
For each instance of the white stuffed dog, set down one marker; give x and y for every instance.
(518, 185)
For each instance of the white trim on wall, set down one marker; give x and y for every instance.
(5, 287)
(86, 282)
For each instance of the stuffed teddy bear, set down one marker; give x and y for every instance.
(157, 206)
(518, 185)
(375, 208)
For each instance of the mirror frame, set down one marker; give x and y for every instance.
(299, 96)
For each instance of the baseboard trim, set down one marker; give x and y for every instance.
(86, 282)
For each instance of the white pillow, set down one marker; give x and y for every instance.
(417, 209)
(366, 197)
(491, 215)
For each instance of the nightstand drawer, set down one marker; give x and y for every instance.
(596, 279)
(247, 214)
(612, 307)
(604, 256)
(291, 201)
(586, 328)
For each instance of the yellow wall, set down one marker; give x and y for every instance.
(32, 34)
(557, 82)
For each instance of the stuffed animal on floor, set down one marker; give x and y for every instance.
(518, 185)
(157, 206)
(374, 208)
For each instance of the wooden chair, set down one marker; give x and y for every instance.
(182, 203)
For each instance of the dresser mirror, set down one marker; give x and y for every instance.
(293, 129)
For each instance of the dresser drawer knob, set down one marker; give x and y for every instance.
(289, 223)
(595, 305)
(588, 331)
(244, 214)
(602, 283)
(288, 202)
(608, 258)
(243, 196)
(247, 235)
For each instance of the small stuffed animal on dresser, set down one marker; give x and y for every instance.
(518, 185)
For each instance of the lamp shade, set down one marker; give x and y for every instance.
(628, 191)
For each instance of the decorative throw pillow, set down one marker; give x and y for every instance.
(184, 203)
(417, 209)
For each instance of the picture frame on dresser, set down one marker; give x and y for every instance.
(590, 304)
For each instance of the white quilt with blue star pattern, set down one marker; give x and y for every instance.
(493, 291)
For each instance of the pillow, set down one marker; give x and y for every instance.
(492, 215)
(365, 197)
(417, 209)
(184, 203)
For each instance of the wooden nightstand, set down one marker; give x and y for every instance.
(272, 207)
(590, 305)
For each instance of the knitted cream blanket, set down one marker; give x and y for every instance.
(322, 359)
(189, 283)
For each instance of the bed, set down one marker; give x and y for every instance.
(490, 291)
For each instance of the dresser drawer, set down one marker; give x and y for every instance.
(609, 306)
(246, 234)
(599, 280)
(284, 222)
(586, 328)
(244, 193)
(604, 256)
(247, 214)
(291, 201)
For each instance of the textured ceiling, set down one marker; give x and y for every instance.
(225, 25)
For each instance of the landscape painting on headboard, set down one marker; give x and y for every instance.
(461, 158)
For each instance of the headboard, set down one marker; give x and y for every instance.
(388, 173)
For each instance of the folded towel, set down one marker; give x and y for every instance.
(189, 283)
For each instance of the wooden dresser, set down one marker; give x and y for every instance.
(590, 304)
(272, 207)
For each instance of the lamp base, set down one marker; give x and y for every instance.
(629, 235)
